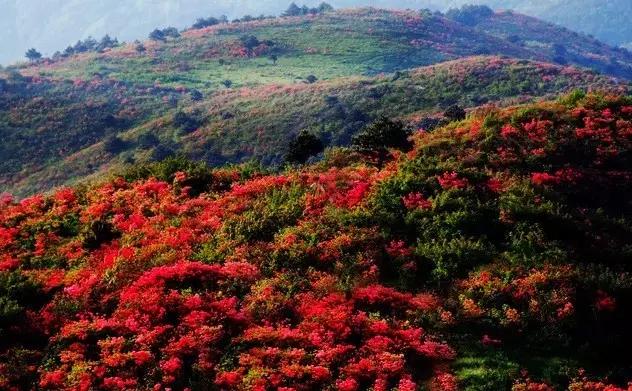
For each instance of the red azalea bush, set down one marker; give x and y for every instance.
(507, 237)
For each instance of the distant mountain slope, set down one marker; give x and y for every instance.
(559, 44)
(67, 118)
(607, 20)
(53, 24)
(238, 124)
(343, 43)
(261, 119)
(41, 121)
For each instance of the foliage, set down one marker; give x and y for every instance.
(311, 79)
(470, 15)
(207, 22)
(454, 113)
(498, 243)
(381, 135)
(33, 55)
(163, 34)
(114, 144)
(88, 45)
(187, 122)
(241, 123)
(302, 147)
(295, 10)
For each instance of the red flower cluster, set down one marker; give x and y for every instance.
(129, 306)
(451, 180)
(416, 201)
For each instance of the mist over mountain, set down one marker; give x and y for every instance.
(51, 25)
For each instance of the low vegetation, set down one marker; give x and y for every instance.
(64, 125)
(492, 255)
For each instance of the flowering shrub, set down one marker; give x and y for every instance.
(335, 276)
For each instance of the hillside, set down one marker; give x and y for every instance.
(334, 44)
(606, 20)
(54, 24)
(81, 114)
(495, 254)
(557, 43)
(54, 130)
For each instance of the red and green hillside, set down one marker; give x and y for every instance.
(83, 113)
(493, 255)
(67, 125)
(333, 44)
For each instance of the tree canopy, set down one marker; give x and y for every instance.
(33, 55)
(470, 15)
(303, 146)
(295, 10)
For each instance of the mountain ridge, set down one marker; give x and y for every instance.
(579, 15)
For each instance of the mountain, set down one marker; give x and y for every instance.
(54, 24)
(492, 254)
(366, 40)
(49, 141)
(606, 20)
(201, 94)
(343, 200)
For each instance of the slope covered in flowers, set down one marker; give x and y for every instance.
(72, 120)
(493, 255)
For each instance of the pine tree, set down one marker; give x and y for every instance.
(33, 55)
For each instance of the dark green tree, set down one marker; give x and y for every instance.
(107, 42)
(157, 35)
(455, 113)
(187, 122)
(196, 95)
(171, 32)
(162, 35)
(377, 138)
(325, 7)
(249, 41)
(114, 145)
(33, 55)
(292, 10)
(69, 51)
(470, 15)
(303, 146)
(205, 22)
(311, 79)
(148, 141)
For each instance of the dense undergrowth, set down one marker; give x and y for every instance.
(42, 120)
(493, 255)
